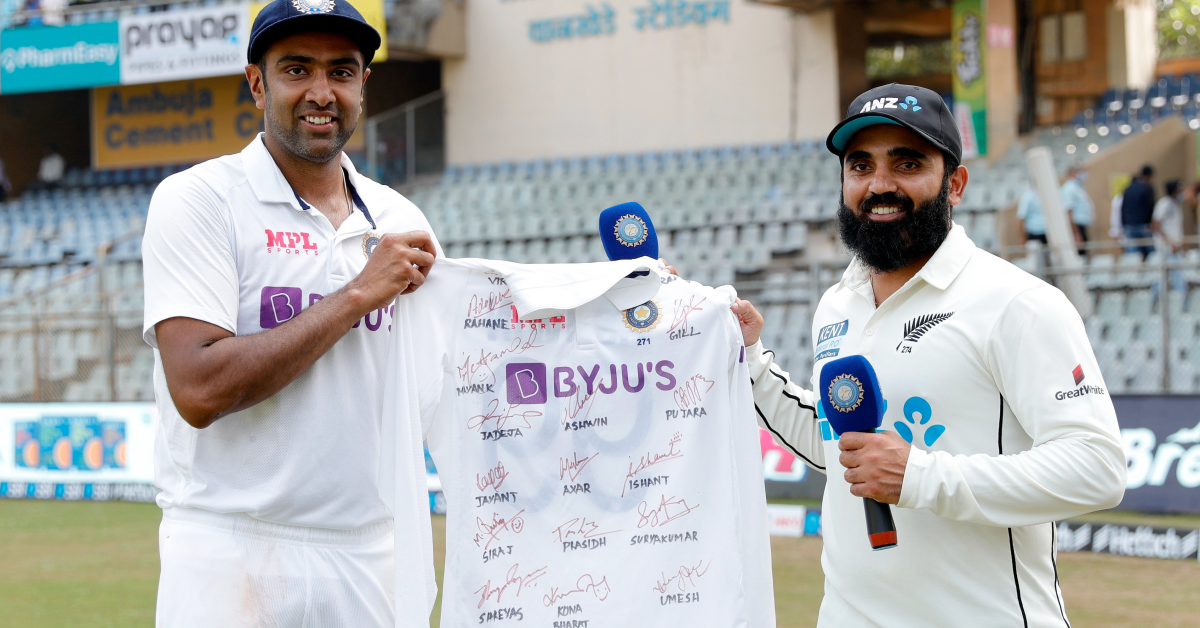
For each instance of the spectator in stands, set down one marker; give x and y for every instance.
(1137, 210)
(5, 183)
(1077, 202)
(1167, 226)
(52, 168)
(1029, 212)
(1115, 230)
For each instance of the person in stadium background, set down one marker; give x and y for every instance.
(1137, 211)
(1078, 204)
(997, 420)
(52, 167)
(268, 278)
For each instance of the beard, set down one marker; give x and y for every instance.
(888, 246)
(315, 149)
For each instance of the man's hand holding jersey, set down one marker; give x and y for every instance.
(211, 372)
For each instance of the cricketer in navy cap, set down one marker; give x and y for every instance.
(281, 18)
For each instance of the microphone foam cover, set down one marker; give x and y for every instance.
(627, 232)
(850, 395)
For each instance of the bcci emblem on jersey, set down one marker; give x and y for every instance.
(370, 241)
(845, 393)
(642, 318)
(313, 6)
(630, 230)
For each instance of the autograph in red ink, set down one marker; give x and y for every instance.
(511, 578)
(502, 417)
(573, 466)
(684, 578)
(690, 393)
(581, 527)
(490, 530)
(493, 479)
(478, 369)
(682, 311)
(481, 305)
(649, 460)
(668, 510)
(585, 584)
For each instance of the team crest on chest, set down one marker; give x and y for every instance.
(370, 241)
(313, 6)
(642, 318)
(845, 393)
(630, 230)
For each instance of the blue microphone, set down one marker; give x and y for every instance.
(627, 232)
(851, 401)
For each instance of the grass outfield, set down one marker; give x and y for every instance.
(80, 564)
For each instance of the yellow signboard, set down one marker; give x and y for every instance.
(371, 10)
(170, 123)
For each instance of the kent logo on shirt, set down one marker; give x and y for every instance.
(829, 340)
(290, 243)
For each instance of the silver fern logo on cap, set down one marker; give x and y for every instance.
(313, 6)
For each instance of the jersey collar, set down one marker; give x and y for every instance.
(270, 186)
(941, 269)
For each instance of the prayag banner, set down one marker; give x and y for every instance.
(171, 123)
(967, 74)
(98, 451)
(195, 42)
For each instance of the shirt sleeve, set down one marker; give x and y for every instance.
(1162, 210)
(1076, 464)
(187, 257)
(785, 409)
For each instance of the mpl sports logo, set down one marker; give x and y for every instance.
(554, 322)
(528, 383)
(291, 243)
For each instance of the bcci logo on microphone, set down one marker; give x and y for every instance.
(630, 230)
(845, 393)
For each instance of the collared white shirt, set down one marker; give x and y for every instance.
(987, 371)
(228, 242)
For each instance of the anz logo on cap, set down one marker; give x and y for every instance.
(313, 6)
(845, 393)
(630, 230)
(891, 103)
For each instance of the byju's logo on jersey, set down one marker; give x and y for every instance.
(642, 318)
(279, 305)
(829, 340)
(915, 329)
(526, 383)
(290, 243)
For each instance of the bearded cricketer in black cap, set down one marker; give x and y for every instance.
(996, 420)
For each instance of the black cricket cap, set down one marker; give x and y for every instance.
(282, 18)
(920, 110)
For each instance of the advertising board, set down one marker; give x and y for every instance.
(48, 58)
(1161, 435)
(77, 451)
(194, 42)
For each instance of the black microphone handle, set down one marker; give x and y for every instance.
(881, 529)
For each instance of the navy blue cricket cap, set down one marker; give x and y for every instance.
(920, 110)
(282, 18)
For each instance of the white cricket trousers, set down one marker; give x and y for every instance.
(233, 571)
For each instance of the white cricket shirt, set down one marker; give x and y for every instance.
(987, 370)
(228, 242)
(595, 440)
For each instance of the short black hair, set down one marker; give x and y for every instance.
(1147, 171)
(1172, 187)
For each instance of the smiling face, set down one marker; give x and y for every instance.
(897, 196)
(310, 86)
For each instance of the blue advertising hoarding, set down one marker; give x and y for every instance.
(1161, 435)
(47, 58)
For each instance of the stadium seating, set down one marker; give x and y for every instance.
(748, 216)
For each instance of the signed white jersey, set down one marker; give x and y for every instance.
(595, 438)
